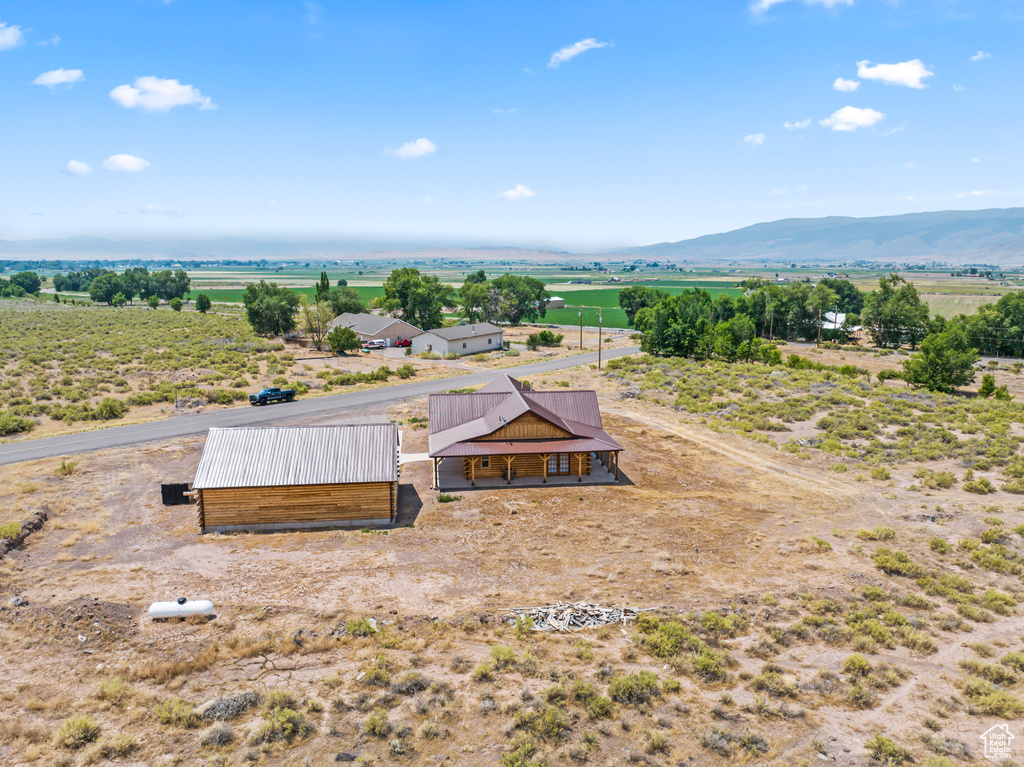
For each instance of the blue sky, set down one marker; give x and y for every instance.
(581, 125)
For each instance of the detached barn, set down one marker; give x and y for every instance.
(297, 477)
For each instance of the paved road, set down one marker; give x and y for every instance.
(301, 410)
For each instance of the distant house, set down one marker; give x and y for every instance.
(369, 327)
(556, 302)
(460, 339)
(507, 433)
(297, 477)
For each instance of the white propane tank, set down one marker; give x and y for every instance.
(180, 609)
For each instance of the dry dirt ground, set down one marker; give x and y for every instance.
(703, 522)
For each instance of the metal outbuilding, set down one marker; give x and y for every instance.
(297, 477)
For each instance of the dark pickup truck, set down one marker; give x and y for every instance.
(266, 396)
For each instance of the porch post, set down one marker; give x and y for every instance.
(544, 465)
(579, 467)
(472, 472)
(437, 475)
(508, 467)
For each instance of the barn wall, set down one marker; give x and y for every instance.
(296, 505)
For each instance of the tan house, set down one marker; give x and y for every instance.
(509, 434)
(370, 327)
(297, 477)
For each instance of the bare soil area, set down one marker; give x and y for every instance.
(703, 525)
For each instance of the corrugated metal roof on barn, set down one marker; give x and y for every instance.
(298, 455)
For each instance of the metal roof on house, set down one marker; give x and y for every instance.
(458, 332)
(367, 324)
(298, 455)
(456, 420)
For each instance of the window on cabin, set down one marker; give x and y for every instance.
(485, 462)
(490, 341)
(463, 345)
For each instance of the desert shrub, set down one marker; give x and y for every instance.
(992, 701)
(600, 707)
(76, 732)
(770, 681)
(483, 673)
(446, 498)
(998, 602)
(360, 627)
(1014, 660)
(877, 534)
(887, 752)
(12, 424)
(940, 545)
(114, 691)
(860, 696)
(973, 613)
(177, 712)
(66, 468)
(405, 371)
(896, 563)
(856, 665)
(880, 472)
(217, 734)
(10, 530)
(377, 724)
(709, 665)
(655, 742)
(634, 689)
(503, 656)
(282, 724)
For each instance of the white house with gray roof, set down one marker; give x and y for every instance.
(369, 327)
(459, 339)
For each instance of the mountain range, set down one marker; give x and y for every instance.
(994, 236)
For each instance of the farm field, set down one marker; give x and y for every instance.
(798, 610)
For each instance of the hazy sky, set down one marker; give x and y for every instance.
(575, 124)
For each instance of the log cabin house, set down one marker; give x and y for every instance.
(508, 433)
(297, 477)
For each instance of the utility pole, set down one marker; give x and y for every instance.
(599, 338)
(581, 328)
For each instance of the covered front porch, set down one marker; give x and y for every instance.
(525, 470)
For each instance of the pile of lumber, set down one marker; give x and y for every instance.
(572, 616)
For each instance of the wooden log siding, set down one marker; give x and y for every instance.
(525, 465)
(296, 504)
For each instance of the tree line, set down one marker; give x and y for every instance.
(109, 287)
(420, 299)
(692, 324)
(20, 284)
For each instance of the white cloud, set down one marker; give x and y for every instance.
(162, 211)
(76, 168)
(908, 73)
(976, 193)
(959, 88)
(798, 125)
(571, 51)
(981, 56)
(760, 6)
(55, 40)
(417, 148)
(126, 162)
(851, 118)
(314, 13)
(154, 94)
(975, 159)
(504, 111)
(10, 36)
(518, 192)
(425, 201)
(59, 77)
(755, 139)
(846, 86)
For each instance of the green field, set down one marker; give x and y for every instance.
(234, 295)
(608, 300)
